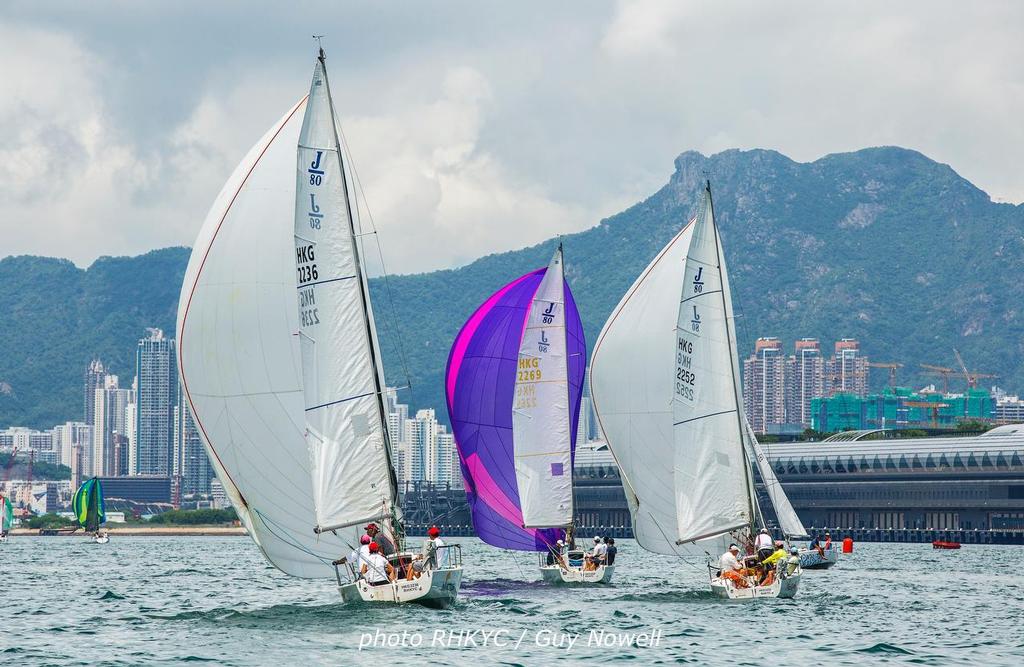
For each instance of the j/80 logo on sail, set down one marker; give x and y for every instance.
(314, 212)
(316, 173)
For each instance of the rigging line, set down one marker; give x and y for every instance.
(697, 296)
(269, 523)
(669, 542)
(380, 255)
(712, 414)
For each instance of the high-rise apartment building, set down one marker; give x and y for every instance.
(69, 438)
(191, 465)
(157, 382)
(94, 375)
(848, 370)
(109, 456)
(764, 377)
(805, 380)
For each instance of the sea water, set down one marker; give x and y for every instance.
(167, 600)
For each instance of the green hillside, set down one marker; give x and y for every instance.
(882, 244)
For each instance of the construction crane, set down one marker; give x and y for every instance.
(943, 371)
(934, 407)
(972, 378)
(10, 466)
(892, 366)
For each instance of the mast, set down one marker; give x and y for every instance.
(730, 337)
(364, 297)
(568, 402)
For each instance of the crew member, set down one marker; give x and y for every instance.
(731, 568)
(385, 545)
(771, 562)
(377, 570)
(793, 562)
(357, 557)
(763, 544)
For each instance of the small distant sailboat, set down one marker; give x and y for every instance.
(279, 360)
(666, 389)
(6, 517)
(88, 507)
(513, 385)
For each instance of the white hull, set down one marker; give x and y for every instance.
(434, 588)
(810, 559)
(780, 588)
(101, 539)
(556, 575)
(3, 538)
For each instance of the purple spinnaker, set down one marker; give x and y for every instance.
(480, 386)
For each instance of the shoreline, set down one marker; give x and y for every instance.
(145, 531)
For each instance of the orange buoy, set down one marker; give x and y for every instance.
(848, 545)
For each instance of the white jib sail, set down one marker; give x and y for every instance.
(352, 475)
(630, 382)
(789, 522)
(711, 468)
(238, 355)
(541, 421)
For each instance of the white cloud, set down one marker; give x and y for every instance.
(476, 130)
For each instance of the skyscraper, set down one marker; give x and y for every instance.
(191, 464)
(848, 370)
(109, 446)
(157, 378)
(94, 375)
(764, 378)
(805, 380)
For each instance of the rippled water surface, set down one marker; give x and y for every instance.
(151, 600)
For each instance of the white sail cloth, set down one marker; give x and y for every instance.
(541, 420)
(239, 357)
(789, 522)
(345, 426)
(631, 379)
(713, 490)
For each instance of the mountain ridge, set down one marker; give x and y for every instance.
(883, 244)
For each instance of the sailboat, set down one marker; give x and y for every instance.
(666, 388)
(87, 504)
(6, 517)
(280, 363)
(513, 386)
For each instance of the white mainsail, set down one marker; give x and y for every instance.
(789, 522)
(239, 360)
(631, 379)
(713, 490)
(541, 421)
(346, 428)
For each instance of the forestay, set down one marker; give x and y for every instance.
(789, 522)
(345, 424)
(541, 420)
(710, 463)
(631, 379)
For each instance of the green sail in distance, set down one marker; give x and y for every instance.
(6, 514)
(88, 505)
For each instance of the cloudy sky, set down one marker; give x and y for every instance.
(477, 126)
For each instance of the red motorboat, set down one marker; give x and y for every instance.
(942, 544)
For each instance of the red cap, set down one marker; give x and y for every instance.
(433, 532)
(374, 548)
(370, 526)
